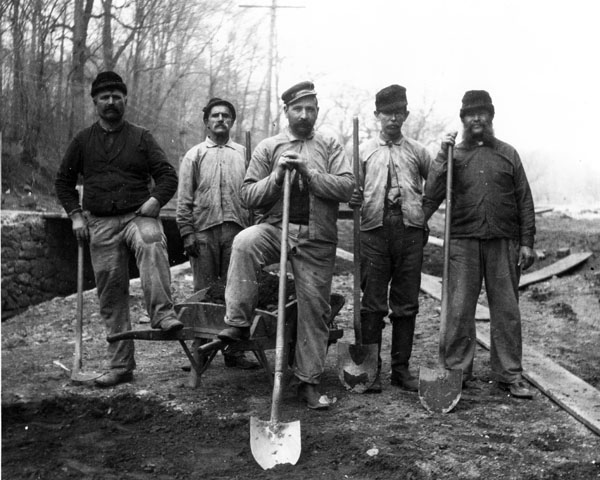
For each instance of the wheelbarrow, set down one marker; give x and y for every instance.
(203, 320)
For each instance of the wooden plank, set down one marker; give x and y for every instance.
(561, 266)
(576, 396)
(432, 285)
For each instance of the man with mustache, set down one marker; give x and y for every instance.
(210, 212)
(492, 234)
(321, 178)
(393, 233)
(119, 216)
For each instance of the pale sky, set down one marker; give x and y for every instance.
(538, 59)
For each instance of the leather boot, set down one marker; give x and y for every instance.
(403, 329)
(371, 328)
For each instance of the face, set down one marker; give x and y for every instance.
(477, 121)
(302, 115)
(391, 122)
(219, 121)
(110, 105)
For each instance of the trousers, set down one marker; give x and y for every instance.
(112, 241)
(472, 261)
(312, 264)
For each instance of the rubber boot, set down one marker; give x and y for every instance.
(403, 330)
(371, 327)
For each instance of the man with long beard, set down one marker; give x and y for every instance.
(492, 235)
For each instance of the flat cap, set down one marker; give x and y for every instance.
(213, 102)
(298, 91)
(476, 100)
(108, 81)
(391, 99)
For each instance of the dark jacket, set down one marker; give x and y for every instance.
(491, 194)
(118, 181)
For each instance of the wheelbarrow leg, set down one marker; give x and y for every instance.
(194, 378)
(259, 353)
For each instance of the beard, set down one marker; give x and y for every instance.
(486, 136)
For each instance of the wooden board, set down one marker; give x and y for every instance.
(570, 392)
(432, 285)
(561, 266)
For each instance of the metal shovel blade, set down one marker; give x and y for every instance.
(275, 443)
(77, 376)
(357, 366)
(439, 389)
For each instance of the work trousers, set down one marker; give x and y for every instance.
(312, 264)
(471, 261)
(112, 240)
(214, 253)
(391, 259)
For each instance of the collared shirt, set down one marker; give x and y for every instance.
(210, 178)
(406, 164)
(330, 180)
(491, 195)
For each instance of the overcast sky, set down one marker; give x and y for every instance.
(538, 59)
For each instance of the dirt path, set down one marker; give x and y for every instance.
(158, 428)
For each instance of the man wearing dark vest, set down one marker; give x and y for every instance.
(119, 216)
(392, 233)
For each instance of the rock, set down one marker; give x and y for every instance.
(563, 252)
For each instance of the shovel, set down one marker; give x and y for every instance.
(76, 374)
(357, 364)
(440, 389)
(273, 442)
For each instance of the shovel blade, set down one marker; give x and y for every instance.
(439, 389)
(84, 376)
(274, 443)
(357, 366)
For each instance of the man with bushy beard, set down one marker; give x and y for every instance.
(119, 216)
(492, 234)
(321, 178)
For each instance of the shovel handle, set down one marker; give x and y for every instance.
(79, 319)
(280, 338)
(356, 242)
(447, 223)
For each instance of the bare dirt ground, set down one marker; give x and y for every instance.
(158, 428)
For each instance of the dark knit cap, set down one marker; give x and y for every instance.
(298, 91)
(390, 99)
(476, 100)
(213, 102)
(108, 81)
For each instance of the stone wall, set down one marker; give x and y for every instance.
(39, 258)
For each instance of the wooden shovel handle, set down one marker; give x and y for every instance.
(356, 243)
(447, 223)
(280, 339)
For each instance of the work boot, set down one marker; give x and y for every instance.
(518, 389)
(371, 326)
(308, 393)
(170, 324)
(403, 329)
(238, 360)
(404, 379)
(234, 334)
(112, 378)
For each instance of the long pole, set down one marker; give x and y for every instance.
(356, 246)
(446, 261)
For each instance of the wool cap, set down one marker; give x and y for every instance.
(108, 81)
(298, 91)
(476, 99)
(213, 102)
(392, 98)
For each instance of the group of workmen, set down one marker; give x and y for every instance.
(127, 178)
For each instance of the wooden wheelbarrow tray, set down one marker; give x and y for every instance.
(204, 320)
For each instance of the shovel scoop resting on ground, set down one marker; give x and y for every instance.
(440, 389)
(358, 363)
(273, 442)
